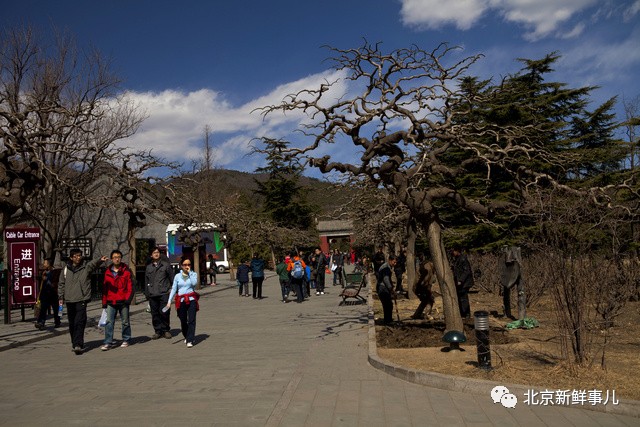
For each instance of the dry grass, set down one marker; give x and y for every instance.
(532, 358)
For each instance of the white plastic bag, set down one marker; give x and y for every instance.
(103, 318)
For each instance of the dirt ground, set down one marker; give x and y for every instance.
(518, 356)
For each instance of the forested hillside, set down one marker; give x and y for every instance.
(327, 197)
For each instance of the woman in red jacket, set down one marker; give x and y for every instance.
(117, 294)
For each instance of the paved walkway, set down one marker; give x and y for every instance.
(255, 363)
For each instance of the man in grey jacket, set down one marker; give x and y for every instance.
(158, 278)
(74, 288)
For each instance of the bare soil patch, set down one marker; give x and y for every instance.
(529, 357)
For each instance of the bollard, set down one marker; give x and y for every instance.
(481, 324)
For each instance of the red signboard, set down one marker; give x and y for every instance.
(23, 258)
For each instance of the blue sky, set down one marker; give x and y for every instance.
(195, 63)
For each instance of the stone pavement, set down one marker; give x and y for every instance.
(255, 363)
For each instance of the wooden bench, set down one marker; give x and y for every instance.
(354, 284)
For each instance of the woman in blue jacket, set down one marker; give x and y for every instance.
(186, 300)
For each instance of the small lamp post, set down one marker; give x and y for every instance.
(481, 325)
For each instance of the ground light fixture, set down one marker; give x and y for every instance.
(453, 338)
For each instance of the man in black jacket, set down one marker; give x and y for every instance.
(158, 278)
(321, 265)
(385, 291)
(464, 280)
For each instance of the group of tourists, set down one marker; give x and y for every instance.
(298, 275)
(255, 267)
(162, 287)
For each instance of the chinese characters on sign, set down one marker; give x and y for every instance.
(22, 251)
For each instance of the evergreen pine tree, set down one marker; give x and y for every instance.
(284, 199)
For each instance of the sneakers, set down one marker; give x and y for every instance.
(106, 347)
(167, 335)
(39, 326)
(155, 336)
(321, 293)
(189, 344)
(124, 344)
(317, 293)
(77, 350)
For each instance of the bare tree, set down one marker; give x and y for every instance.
(409, 86)
(420, 132)
(632, 116)
(140, 192)
(207, 161)
(60, 116)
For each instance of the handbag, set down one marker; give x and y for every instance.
(103, 318)
(36, 308)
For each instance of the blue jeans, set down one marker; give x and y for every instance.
(243, 288)
(111, 318)
(284, 287)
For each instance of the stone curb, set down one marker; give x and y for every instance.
(471, 385)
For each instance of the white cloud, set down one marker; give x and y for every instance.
(631, 11)
(540, 18)
(436, 13)
(575, 32)
(598, 62)
(175, 122)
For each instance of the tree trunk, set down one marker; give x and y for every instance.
(452, 317)
(411, 256)
(232, 270)
(273, 257)
(4, 220)
(131, 240)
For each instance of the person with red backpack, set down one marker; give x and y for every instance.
(117, 294)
